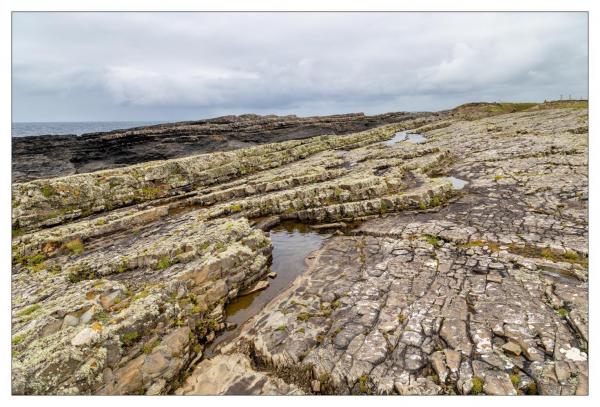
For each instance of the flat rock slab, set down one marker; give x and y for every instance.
(259, 286)
(233, 375)
(336, 225)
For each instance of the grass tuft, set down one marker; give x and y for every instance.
(29, 310)
(304, 316)
(129, 338)
(75, 246)
(17, 339)
(48, 191)
(477, 385)
(163, 263)
(433, 240)
(532, 389)
(515, 380)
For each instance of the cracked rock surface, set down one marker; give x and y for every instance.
(486, 295)
(121, 277)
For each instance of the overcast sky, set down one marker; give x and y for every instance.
(178, 66)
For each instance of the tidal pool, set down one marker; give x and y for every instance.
(292, 242)
(405, 136)
(458, 183)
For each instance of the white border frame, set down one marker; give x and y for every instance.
(6, 8)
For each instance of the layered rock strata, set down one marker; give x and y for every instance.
(48, 156)
(487, 295)
(121, 276)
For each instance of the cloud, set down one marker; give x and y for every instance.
(197, 87)
(135, 66)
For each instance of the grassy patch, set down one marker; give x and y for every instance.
(532, 389)
(29, 310)
(129, 338)
(477, 385)
(362, 384)
(48, 191)
(122, 267)
(571, 256)
(515, 380)
(81, 272)
(383, 208)
(149, 192)
(149, 346)
(17, 339)
(163, 263)
(304, 316)
(36, 268)
(75, 246)
(494, 247)
(565, 104)
(502, 108)
(102, 316)
(337, 331)
(140, 295)
(549, 254)
(36, 259)
(433, 240)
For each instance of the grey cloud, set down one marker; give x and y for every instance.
(171, 66)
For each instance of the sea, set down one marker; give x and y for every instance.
(21, 129)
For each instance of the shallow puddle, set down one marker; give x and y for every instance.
(415, 138)
(292, 242)
(458, 183)
(405, 136)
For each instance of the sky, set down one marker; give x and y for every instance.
(186, 66)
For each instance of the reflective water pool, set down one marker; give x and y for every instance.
(405, 136)
(292, 242)
(458, 183)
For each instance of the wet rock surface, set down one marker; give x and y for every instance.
(121, 277)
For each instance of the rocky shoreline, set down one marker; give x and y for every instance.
(46, 156)
(121, 276)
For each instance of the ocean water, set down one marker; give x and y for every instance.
(21, 129)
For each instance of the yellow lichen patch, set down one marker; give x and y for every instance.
(97, 326)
